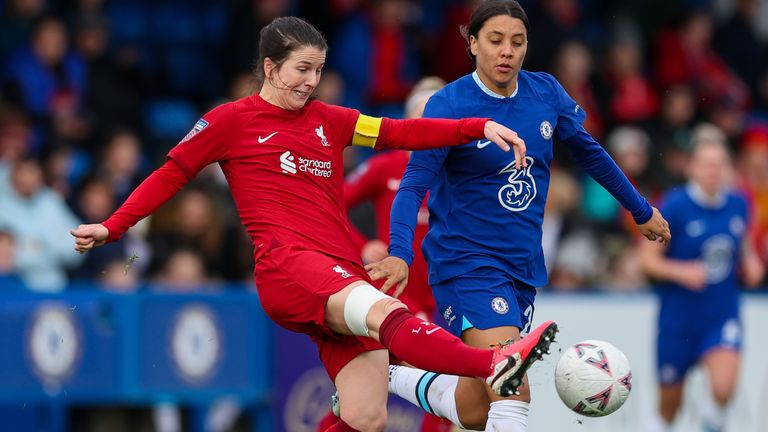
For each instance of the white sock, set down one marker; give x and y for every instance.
(507, 416)
(434, 393)
(658, 424)
(714, 415)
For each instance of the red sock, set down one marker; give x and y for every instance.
(340, 426)
(329, 420)
(433, 423)
(429, 347)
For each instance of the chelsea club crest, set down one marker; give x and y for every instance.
(545, 128)
(499, 305)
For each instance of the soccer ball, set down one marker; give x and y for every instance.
(593, 378)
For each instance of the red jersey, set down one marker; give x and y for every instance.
(377, 180)
(284, 169)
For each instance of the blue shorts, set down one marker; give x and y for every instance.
(485, 298)
(679, 347)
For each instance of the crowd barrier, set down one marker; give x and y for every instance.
(91, 348)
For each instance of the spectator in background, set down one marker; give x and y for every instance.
(94, 202)
(374, 54)
(9, 277)
(119, 277)
(670, 136)
(753, 168)
(195, 221)
(629, 146)
(697, 279)
(684, 55)
(112, 96)
(183, 271)
(36, 216)
(248, 17)
(16, 21)
(571, 247)
(561, 213)
(739, 45)
(554, 23)
(15, 136)
(632, 98)
(120, 163)
(447, 40)
(48, 80)
(573, 67)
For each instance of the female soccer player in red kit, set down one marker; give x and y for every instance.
(282, 156)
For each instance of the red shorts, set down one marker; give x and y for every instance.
(294, 286)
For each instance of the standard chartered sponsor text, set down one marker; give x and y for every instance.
(315, 167)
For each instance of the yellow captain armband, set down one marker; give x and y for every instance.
(366, 131)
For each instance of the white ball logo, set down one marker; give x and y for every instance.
(195, 342)
(53, 342)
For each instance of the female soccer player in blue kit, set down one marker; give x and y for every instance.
(484, 242)
(697, 280)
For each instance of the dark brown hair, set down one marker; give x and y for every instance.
(281, 37)
(489, 9)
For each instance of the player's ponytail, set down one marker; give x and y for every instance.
(281, 37)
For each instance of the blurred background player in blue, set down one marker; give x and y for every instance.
(697, 277)
(484, 246)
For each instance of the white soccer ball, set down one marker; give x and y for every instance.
(593, 378)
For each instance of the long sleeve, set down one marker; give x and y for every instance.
(423, 168)
(153, 192)
(596, 161)
(421, 173)
(429, 133)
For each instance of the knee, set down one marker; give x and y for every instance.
(380, 310)
(723, 393)
(365, 419)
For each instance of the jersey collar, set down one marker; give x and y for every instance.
(490, 92)
(702, 199)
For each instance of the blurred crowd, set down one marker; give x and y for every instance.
(93, 94)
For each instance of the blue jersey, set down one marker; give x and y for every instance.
(483, 211)
(712, 235)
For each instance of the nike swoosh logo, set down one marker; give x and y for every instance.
(482, 144)
(429, 332)
(263, 140)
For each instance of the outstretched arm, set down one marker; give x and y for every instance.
(431, 133)
(153, 192)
